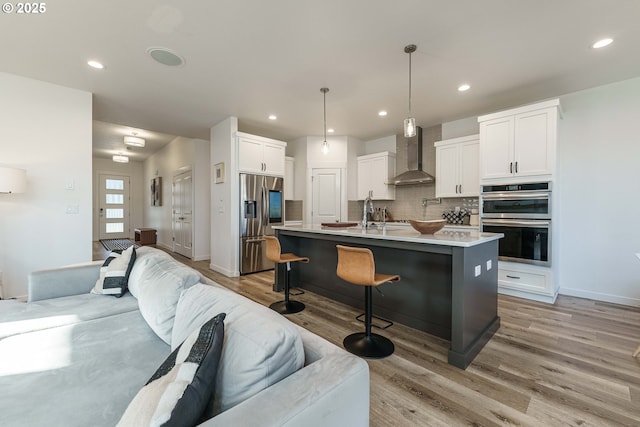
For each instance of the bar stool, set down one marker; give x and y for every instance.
(274, 254)
(356, 265)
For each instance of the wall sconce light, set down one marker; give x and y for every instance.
(12, 180)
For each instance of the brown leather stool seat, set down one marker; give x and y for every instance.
(274, 254)
(357, 266)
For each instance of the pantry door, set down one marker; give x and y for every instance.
(325, 201)
(113, 207)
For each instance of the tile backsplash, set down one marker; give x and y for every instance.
(408, 204)
(293, 210)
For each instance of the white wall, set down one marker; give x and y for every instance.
(599, 184)
(386, 143)
(179, 155)
(45, 129)
(134, 170)
(225, 200)
(462, 127)
(298, 150)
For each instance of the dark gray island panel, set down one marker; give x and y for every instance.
(439, 291)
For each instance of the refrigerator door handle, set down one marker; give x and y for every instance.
(265, 204)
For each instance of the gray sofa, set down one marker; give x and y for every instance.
(72, 358)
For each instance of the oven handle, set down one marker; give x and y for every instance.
(516, 223)
(514, 196)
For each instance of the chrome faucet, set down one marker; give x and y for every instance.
(365, 221)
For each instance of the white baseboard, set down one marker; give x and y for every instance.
(201, 257)
(224, 271)
(599, 296)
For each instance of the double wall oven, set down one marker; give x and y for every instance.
(522, 212)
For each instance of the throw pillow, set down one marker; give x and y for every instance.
(114, 273)
(180, 391)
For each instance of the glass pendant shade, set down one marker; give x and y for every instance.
(409, 127)
(325, 148)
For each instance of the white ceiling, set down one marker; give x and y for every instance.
(252, 58)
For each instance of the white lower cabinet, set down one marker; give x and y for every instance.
(527, 281)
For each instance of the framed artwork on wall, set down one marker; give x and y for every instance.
(218, 173)
(156, 191)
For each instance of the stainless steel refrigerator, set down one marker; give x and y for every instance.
(261, 207)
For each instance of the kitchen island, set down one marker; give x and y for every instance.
(448, 285)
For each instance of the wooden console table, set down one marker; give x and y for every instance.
(145, 236)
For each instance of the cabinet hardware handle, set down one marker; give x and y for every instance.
(510, 167)
(460, 188)
(516, 167)
(513, 277)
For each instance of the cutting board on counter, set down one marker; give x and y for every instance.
(339, 224)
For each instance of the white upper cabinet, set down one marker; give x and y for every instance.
(519, 144)
(260, 155)
(289, 177)
(374, 172)
(457, 167)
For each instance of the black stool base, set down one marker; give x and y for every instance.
(284, 307)
(373, 346)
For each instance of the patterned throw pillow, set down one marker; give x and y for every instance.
(180, 392)
(114, 273)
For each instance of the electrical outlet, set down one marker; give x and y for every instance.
(488, 265)
(478, 270)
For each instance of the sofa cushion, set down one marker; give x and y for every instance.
(19, 317)
(114, 273)
(81, 375)
(158, 289)
(180, 390)
(144, 256)
(260, 346)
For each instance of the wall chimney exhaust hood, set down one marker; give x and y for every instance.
(415, 175)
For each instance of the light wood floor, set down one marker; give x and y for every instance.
(563, 364)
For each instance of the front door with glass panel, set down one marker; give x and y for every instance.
(113, 209)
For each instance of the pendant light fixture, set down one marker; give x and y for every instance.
(410, 122)
(325, 144)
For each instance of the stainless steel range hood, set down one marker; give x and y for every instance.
(415, 175)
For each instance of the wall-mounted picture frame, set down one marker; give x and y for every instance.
(218, 173)
(156, 191)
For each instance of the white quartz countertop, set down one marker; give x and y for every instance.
(444, 237)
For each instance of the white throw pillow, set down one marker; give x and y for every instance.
(260, 348)
(158, 292)
(115, 272)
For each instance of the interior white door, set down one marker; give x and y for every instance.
(113, 209)
(182, 206)
(325, 201)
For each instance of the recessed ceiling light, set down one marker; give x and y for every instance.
(273, 117)
(331, 130)
(95, 64)
(165, 56)
(464, 87)
(382, 113)
(602, 43)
